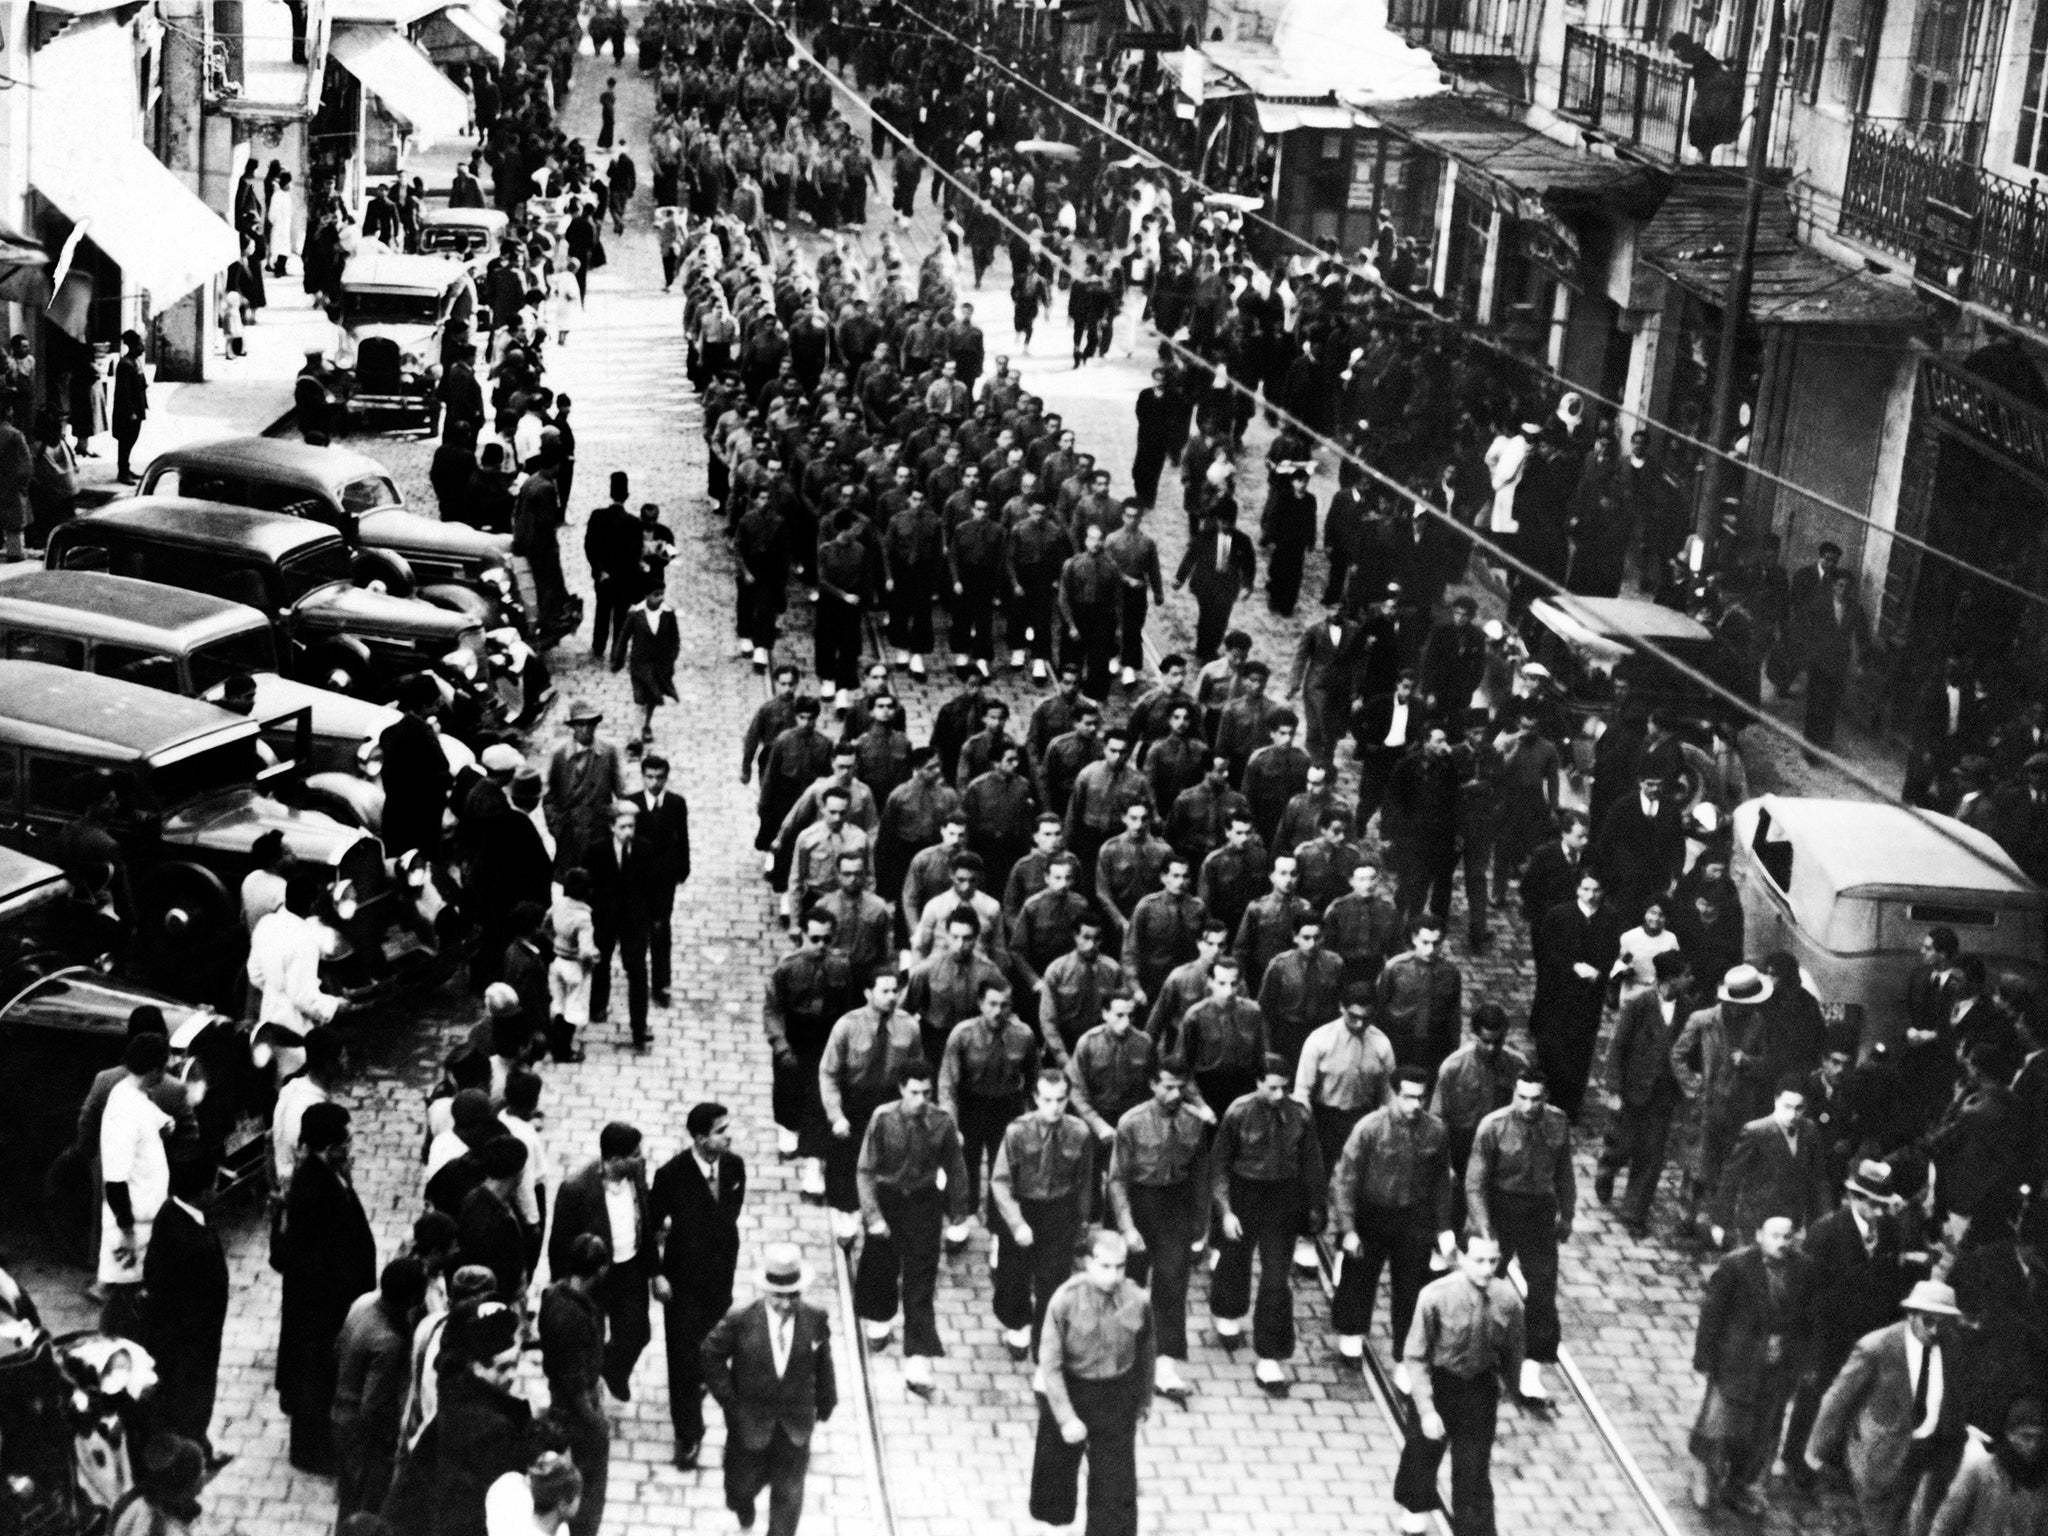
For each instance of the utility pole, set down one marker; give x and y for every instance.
(1735, 304)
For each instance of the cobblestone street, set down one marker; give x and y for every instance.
(1320, 1459)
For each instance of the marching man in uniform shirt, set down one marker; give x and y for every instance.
(910, 1145)
(1159, 1194)
(1044, 1188)
(1094, 1389)
(1466, 1339)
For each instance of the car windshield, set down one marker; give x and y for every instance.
(452, 237)
(314, 566)
(368, 494)
(251, 651)
(206, 772)
(384, 307)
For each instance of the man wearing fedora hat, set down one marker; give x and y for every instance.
(769, 1365)
(1703, 1061)
(1895, 1417)
(1860, 1266)
(584, 779)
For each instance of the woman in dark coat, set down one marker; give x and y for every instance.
(328, 1258)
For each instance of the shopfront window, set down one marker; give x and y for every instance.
(2030, 144)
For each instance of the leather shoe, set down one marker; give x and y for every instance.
(745, 1518)
(686, 1459)
(661, 998)
(1603, 1188)
(569, 1057)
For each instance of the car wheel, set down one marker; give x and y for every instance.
(384, 571)
(183, 908)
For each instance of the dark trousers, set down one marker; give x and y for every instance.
(1093, 640)
(842, 1153)
(1564, 1049)
(1212, 618)
(1137, 603)
(1475, 854)
(1340, 568)
(1636, 1139)
(1395, 1238)
(125, 434)
(1169, 1217)
(910, 610)
(1035, 612)
(1829, 1358)
(660, 937)
(1527, 1226)
(1824, 690)
(974, 620)
(794, 1095)
(1270, 1211)
(1027, 1277)
(631, 942)
(1109, 1410)
(1468, 1409)
(1283, 577)
(905, 1263)
(982, 1123)
(187, 1377)
(623, 1295)
(686, 1323)
(838, 627)
(363, 1464)
(759, 607)
(615, 600)
(779, 1466)
(1145, 467)
(1426, 871)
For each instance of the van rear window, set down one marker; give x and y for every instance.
(1953, 917)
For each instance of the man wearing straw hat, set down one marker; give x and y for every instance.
(1893, 1416)
(769, 1364)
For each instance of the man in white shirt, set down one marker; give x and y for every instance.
(135, 1170)
(314, 1085)
(284, 966)
(608, 1197)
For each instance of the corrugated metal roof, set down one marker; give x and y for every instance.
(1692, 241)
(1519, 160)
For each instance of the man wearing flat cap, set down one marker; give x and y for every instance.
(769, 1365)
(584, 778)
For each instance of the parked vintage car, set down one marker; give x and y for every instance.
(395, 308)
(449, 564)
(333, 632)
(468, 235)
(193, 644)
(1587, 642)
(1850, 887)
(64, 1018)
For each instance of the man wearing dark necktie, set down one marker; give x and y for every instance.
(696, 1207)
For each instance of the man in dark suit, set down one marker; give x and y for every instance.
(625, 896)
(185, 1304)
(1325, 677)
(1221, 567)
(1552, 873)
(1574, 948)
(1453, 662)
(1642, 1092)
(131, 403)
(1386, 727)
(415, 776)
(609, 1197)
(769, 1364)
(1755, 1333)
(664, 830)
(611, 543)
(1640, 848)
(525, 968)
(695, 1211)
(1858, 1266)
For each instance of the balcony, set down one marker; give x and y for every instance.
(1471, 31)
(1631, 94)
(1993, 248)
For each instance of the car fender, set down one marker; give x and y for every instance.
(384, 570)
(349, 798)
(340, 662)
(463, 600)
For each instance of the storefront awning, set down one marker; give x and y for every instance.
(1520, 165)
(1692, 242)
(457, 35)
(165, 239)
(1284, 117)
(24, 269)
(403, 78)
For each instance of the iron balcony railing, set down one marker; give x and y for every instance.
(1627, 92)
(1992, 231)
(1473, 29)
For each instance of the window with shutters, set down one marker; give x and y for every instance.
(1856, 53)
(1807, 46)
(2030, 145)
(1937, 63)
